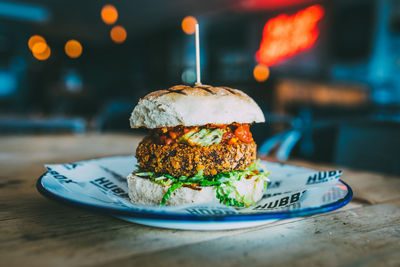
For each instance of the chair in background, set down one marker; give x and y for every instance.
(366, 144)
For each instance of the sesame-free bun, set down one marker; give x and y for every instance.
(145, 192)
(195, 106)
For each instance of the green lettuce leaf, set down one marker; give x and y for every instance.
(224, 182)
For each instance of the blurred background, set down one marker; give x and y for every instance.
(326, 73)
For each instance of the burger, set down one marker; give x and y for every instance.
(199, 148)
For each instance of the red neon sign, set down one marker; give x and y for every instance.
(284, 35)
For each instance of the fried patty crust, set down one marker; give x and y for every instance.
(181, 159)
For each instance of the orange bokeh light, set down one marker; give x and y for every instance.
(43, 56)
(109, 14)
(39, 48)
(118, 34)
(285, 35)
(189, 24)
(261, 73)
(34, 39)
(73, 48)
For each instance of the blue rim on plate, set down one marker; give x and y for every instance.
(188, 217)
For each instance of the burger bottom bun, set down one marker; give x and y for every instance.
(145, 192)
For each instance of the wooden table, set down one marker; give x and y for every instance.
(35, 231)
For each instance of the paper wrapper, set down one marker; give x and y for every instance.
(104, 181)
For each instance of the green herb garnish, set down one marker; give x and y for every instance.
(204, 137)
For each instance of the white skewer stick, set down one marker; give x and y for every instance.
(198, 55)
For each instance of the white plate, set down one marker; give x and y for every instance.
(314, 200)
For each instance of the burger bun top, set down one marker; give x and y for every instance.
(195, 106)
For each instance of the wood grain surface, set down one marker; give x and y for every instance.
(35, 231)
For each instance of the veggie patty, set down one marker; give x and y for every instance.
(179, 159)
